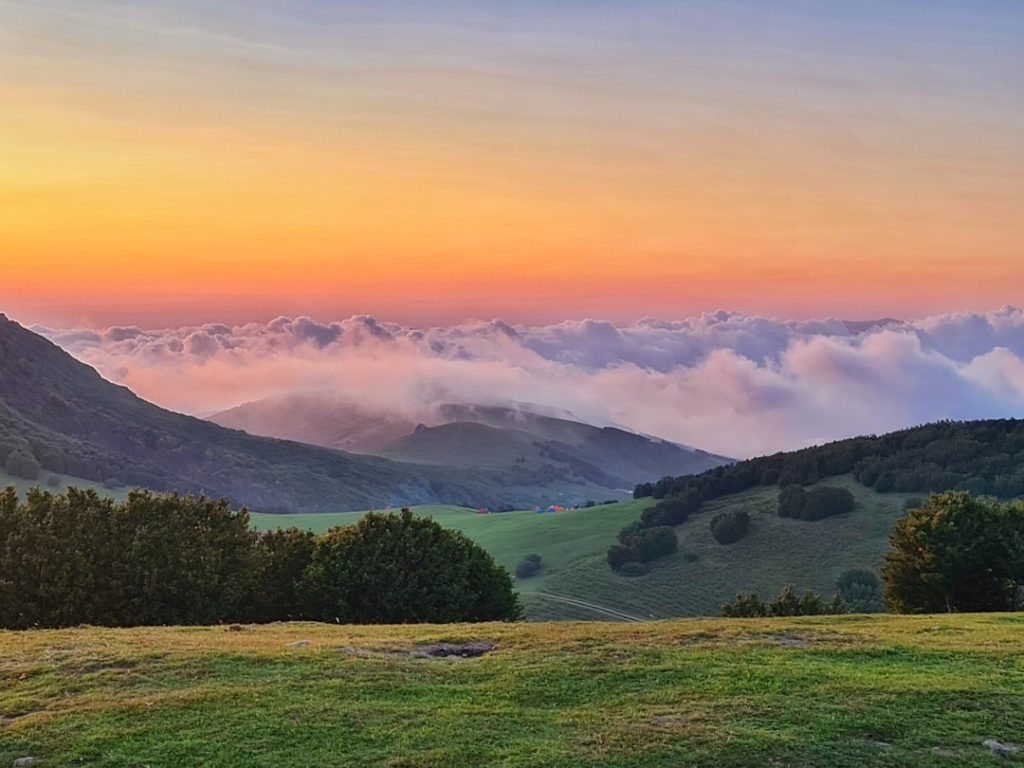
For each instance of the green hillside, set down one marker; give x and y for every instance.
(703, 574)
(825, 691)
(564, 540)
(576, 582)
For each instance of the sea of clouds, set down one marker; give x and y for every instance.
(728, 382)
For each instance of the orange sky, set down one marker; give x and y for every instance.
(161, 166)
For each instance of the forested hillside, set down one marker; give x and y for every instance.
(981, 457)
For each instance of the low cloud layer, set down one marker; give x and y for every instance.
(728, 382)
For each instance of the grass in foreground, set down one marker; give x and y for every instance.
(847, 691)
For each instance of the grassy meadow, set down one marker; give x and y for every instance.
(576, 582)
(823, 691)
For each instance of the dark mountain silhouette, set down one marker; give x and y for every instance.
(59, 415)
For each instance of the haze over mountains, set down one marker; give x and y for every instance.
(731, 383)
(60, 414)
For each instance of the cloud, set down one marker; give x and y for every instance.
(725, 381)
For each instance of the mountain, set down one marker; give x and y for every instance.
(492, 436)
(318, 419)
(549, 444)
(60, 414)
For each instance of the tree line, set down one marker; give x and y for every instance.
(164, 559)
(980, 457)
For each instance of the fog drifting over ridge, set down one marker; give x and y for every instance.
(727, 382)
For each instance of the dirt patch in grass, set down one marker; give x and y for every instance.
(468, 650)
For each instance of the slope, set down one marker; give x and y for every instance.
(573, 459)
(492, 436)
(59, 413)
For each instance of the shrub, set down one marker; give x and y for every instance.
(633, 569)
(657, 542)
(281, 560)
(163, 559)
(642, 544)
(619, 555)
(528, 566)
(672, 510)
(746, 605)
(861, 590)
(389, 569)
(788, 603)
(23, 465)
(731, 526)
(814, 504)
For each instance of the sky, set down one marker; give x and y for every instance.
(167, 164)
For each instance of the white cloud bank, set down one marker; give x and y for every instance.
(728, 382)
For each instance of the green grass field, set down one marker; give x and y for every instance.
(824, 691)
(562, 539)
(577, 584)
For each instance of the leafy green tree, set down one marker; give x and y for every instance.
(746, 605)
(281, 558)
(861, 590)
(22, 464)
(731, 526)
(188, 560)
(788, 603)
(814, 504)
(404, 569)
(956, 553)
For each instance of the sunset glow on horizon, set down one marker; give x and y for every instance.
(165, 163)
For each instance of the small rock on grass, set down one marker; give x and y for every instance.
(299, 644)
(1001, 748)
(25, 762)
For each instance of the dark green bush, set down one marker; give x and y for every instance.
(814, 504)
(861, 590)
(529, 566)
(23, 465)
(392, 569)
(633, 569)
(731, 526)
(788, 603)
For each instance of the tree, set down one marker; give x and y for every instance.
(281, 559)
(731, 526)
(861, 590)
(402, 569)
(788, 603)
(22, 464)
(814, 504)
(529, 566)
(956, 553)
